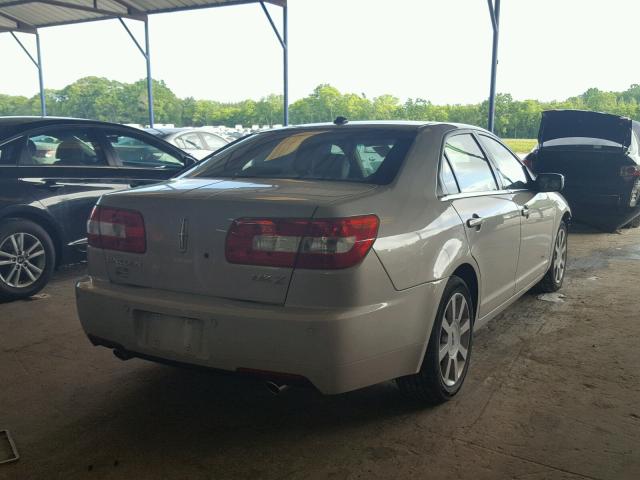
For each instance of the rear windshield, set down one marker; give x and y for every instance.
(350, 155)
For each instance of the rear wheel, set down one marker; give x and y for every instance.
(446, 361)
(27, 258)
(553, 279)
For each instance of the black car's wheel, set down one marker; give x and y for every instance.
(553, 279)
(446, 361)
(635, 223)
(27, 258)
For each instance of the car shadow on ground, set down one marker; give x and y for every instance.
(206, 416)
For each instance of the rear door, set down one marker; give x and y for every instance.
(66, 169)
(10, 194)
(537, 210)
(491, 218)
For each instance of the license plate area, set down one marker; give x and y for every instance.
(168, 333)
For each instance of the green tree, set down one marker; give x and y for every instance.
(104, 99)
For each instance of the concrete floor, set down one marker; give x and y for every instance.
(553, 392)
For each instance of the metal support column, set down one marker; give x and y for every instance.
(43, 103)
(38, 63)
(494, 11)
(147, 56)
(149, 79)
(284, 43)
(285, 61)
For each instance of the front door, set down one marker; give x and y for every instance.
(537, 212)
(491, 218)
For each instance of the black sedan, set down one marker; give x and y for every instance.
(52, 171)
(599, 155)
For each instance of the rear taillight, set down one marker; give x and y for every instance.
(528, 161)
(630, 171)
(116, 229)
(320, 244)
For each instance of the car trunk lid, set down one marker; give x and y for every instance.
(187, 221)
(556, 124)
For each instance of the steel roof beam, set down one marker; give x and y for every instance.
(284, 43)
(38, 64)
(81, 8)
(20, 25)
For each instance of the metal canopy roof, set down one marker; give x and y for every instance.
(28, 15)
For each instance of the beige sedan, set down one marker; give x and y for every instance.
(340, 255)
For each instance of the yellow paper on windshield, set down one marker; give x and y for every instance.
(290, 144)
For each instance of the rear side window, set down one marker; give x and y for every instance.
(349, 154)
(469, 165)
(447, 179)
(63, 147)
(510, 170)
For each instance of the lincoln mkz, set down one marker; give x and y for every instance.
(340, 255)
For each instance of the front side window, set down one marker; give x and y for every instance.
(469, 165)
(213, 141)
(9, 153)
(510, 170)
(136, 153)
(354, 155)
(191, 141)
(63, 147)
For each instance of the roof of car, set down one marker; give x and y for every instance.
(405, 124)
(173, 130)
(10, 126)
(10, 121)
(164, 131)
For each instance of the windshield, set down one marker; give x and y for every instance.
(352, 155)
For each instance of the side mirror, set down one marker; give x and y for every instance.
(188, 160)
(549, 182)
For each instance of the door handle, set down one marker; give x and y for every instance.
(475, 221)
(524, 211)
(48, 184)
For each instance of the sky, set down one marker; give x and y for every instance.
(438, 50)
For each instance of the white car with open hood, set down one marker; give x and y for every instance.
(340, 255)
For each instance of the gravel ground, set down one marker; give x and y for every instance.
(553, 392)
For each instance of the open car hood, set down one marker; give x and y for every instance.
(582, 124)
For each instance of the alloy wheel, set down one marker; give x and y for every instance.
(560, 256)
(22, 260)
(455, 338)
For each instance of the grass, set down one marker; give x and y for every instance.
(520, 145)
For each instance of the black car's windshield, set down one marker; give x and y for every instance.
(350, 154)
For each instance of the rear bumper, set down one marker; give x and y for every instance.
(603, 217)
(336, 349)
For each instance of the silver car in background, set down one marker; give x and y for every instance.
(342, 255)
(197, 142)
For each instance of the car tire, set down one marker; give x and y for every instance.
(435, 383)
(27, 258)
(635, 223)
(553, 279)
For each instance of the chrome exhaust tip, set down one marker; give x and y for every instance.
(276, 389)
